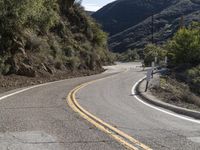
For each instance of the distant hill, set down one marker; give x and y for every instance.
(90, 12)
(129, 21)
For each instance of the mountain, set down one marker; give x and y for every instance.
(129, 22)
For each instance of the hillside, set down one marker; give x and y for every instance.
(90, 12)
(40, 37)
(129, 22)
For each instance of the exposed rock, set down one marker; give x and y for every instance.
(22, 50)
(47, 68)
(26, 70)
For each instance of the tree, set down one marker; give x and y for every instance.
(185, 46)
(151, 51)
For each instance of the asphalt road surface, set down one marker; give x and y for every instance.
(111, 100)
(40, 119)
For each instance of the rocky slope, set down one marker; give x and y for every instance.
(129, 22)
(40, 37)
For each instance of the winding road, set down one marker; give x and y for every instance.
(39, 118)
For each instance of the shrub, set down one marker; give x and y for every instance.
(185, 47)
(4, 68)
(129, 55)
(99, 37)
(151, 51)
(15, 15)
(52, 32)
(73, 62)
(194, 75)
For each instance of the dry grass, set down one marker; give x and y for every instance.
(177, 93)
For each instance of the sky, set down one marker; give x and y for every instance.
(94, 5)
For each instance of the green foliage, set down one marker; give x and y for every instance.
(129, 55)
(184, 52)
(194, 74)
(151, 51)
(195, 25)
(185, 46)
(18, 16)
(129, 27)
(99, 37)
(38, 14)
(57, 33)
(65, 4)
(73, 62)
(4, 68)
(95, 33)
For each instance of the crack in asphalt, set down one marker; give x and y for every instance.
(61, 142)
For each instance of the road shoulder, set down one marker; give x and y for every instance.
(151, 99)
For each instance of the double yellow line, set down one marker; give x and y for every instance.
(129, 142)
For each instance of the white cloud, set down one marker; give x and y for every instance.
(91, 7)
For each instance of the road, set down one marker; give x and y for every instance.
(39, 118)
(111, 100)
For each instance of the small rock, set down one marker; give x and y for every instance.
(26, 70)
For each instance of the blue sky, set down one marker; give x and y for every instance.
(94, 5)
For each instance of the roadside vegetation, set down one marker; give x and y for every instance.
(43, 36)
(183, 52)
(130, 55)
(151, 51)
(184, 48)
(178, 93)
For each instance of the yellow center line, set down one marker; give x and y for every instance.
(115, 133)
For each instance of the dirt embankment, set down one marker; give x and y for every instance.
(176, 93)
(13, 81)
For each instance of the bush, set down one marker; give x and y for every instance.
(151, 51)
(58, 33)
(15, 15)
(4, 68)
(185, 47)
(99, 37)
(73, 62)
(194, 75)
(174, 90)
(129, 55)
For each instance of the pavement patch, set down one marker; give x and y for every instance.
(34, 140)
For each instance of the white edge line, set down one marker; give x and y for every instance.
(132, 91)
(159, 109)
(32, 87)
(29, 88)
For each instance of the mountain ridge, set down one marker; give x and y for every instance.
(166, 22)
